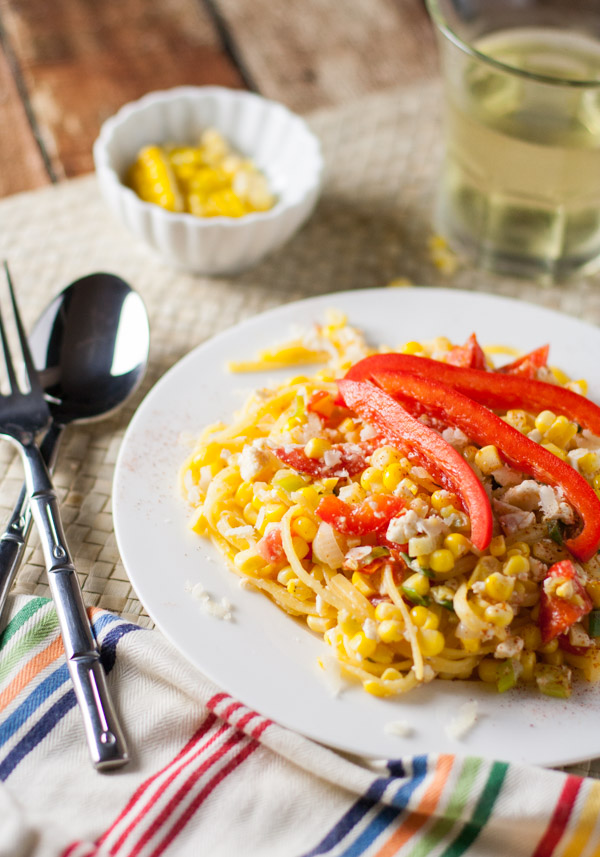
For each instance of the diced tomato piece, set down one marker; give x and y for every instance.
(527, 365)
(370, 516)
(567, 646)
(270, 547)
(321, 403)
(470, 354)
(557, 614)
(351, 459)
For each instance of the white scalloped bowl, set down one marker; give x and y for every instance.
(279, 142)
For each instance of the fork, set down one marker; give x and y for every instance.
(23, 415)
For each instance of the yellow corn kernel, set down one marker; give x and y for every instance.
(391, 674)
(348, 625)
(441, 560)
(565, 590)
(518, 548)
(499, 615)
(249, 561)
(561, 432)
(270, 513)
(419, 583)
(301, 548)
(363, 584)
(317, 447)
(555, 450)
(560, 376)
(391, 631)
(319, 624)
(458, 544)
(544, 420)
(250, 514)
(387, 610)
(549, 648)
(487, 669)
(440, 499)
(499, 587)
(588, 463)
(299, 589)
(407, 485)
(412, 348)
(592, 588)
(393, 476)
(431, 642)
(307, 496)
(497, 546)
(580, 386)
(304, 527)
(244, 493)
(515, 565)
(376, 687)
(371, 478)
(384, 456)
(471, 646)
(285, 575)
(520, 420)
(362, 645)
(488, 459)
(424, 618)
(152, 178)
(556, 658)
(528, 661)
(347, 426)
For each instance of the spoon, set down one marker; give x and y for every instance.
(90, 346)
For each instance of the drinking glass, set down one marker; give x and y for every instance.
(520, 188)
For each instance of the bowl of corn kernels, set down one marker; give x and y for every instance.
(213, 179)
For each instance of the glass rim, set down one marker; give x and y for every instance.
(444, 28)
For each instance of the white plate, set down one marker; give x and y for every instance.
(265, 658)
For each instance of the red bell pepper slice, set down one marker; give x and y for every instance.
(352, 460)
(470, 354)
(527, 365)
(493, 389)
(443, 461)
(558, 614)
(370, 516)
(484, 427)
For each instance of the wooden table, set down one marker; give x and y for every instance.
(66, 65)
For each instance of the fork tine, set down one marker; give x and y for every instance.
(32, 376)
(10, 369)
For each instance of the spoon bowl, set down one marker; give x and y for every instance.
(90, 346)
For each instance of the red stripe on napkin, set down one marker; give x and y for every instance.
(560, 818)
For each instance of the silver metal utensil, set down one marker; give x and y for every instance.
(77, 347)
(23, 415)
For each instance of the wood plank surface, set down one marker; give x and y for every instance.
(324, 52)
(21, 162)
(66, 65)
(81, 60)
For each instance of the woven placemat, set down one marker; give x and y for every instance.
(371, 227)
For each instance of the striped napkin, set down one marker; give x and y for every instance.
(209, 776)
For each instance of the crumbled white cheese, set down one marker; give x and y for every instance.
(509, 648)
(222, 609)
(506, 476)
(578, 636)
(332, 457)
(456, 438)
(252, 461)
(370, 629)
(400, 728)
(463, 722)
(368, 432)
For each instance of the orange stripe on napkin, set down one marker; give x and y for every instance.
(30, 670)
(425, 809)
